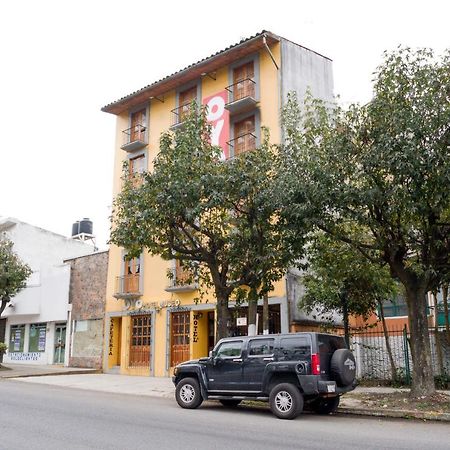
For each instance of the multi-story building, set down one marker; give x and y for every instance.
(37, 320)
(152, 320)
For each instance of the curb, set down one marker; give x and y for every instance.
(69, 372)
(399, 414)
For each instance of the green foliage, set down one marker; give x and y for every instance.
(383, 167)
(222, 219)
(341, 279)
(13, 273)
(3, 347)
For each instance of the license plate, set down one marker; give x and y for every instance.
(331, 388)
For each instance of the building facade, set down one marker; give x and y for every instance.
(87, 295)
(152, 320)
(37, 325)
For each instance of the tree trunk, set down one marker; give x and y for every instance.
(223, 316)
(437, 339)
(344, 302)
(388, 344)
(422, 373)
(3, 304)
(266, 314)
(252, 313)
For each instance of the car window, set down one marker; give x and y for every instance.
(329, 344)
(294, 348)
(232, 348)
(261, 347)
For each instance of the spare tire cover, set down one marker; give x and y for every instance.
(343, 367)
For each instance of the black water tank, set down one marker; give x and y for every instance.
(86, 226)
(76, 228)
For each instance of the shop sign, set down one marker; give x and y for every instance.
(219, 118)
(139, 305)
(196, 318)
(241, 321)
(111, 337)
(30, 356)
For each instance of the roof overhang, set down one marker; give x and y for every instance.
(207, 65)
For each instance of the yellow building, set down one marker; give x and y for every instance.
(152, 320)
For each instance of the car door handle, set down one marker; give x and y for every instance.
(268, 359)
(237, 360)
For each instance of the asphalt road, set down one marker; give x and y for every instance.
(34, 416)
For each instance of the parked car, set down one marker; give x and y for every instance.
(290, 371)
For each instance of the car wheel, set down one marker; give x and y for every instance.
(230, 403)
(187, 393)
(326, 405)
(286, 401)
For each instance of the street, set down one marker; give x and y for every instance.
(34, 416)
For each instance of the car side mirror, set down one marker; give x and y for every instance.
(210, 354)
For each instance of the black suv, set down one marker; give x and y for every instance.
(291, 371)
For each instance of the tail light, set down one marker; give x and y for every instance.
(315, 364)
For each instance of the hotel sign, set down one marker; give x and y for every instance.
(219, 118)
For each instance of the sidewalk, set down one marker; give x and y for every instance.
(360, 401)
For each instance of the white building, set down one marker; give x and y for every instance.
(37, 319)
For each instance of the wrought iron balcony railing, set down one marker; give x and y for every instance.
(241, 95)
(180, 114)
(243, 143)
(128, 286)
(181, 280)
(134, 137)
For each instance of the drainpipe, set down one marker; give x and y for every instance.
(270, 53)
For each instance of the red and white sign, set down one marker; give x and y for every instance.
(219, 117)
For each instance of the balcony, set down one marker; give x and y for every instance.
(179, 115)
(243, 143)
(134, 138)
(181, 281)
(128, 287)
(241, 96)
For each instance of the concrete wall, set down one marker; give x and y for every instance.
(303, 69)
(87, 297)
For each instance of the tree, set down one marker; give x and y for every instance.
(13, 273)
(385, 167)
(219, 218)
(340, 279)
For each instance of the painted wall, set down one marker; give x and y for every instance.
(46, 297)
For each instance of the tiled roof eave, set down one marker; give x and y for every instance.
(191, 72)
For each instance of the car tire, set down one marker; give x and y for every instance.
(286, 401)
(325, 406)
(187, 393)
(343, 367)
(230, 403)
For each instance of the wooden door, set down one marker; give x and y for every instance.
(244, 135)
(140, 342)
(180, 337)
(185, 100)
(138, 126)
(132, 275)
(182, 276)
(243, 81)
(136, 169)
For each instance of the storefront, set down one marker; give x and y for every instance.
(150, 338)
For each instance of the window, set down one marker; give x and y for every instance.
(294, 348)
(16, 338)
(185, 99)
(140, 341)
(261, 347)
(138, 126)
(36, 342)
(229, 349)
(132, 275)
(243, 81)
(395, 307)
(244, 136)
(137, 166)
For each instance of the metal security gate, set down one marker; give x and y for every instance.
(179, 336)
(140, 342)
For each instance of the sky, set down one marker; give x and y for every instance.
(61, 61)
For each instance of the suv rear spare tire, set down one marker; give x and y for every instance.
(187, 393)
(343, 367)
(286, 401)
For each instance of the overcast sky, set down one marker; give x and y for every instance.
(61, 61)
